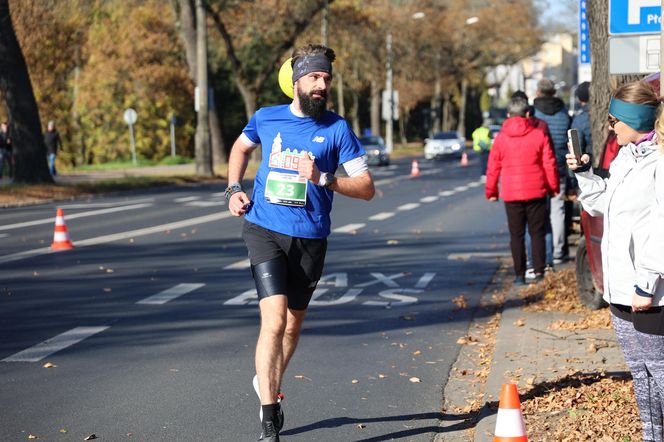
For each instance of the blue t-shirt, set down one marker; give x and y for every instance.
(284, 137)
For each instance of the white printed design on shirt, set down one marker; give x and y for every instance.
(285, 159)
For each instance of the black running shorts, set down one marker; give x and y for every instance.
(284, 265)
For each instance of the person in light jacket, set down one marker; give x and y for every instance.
(629, 200)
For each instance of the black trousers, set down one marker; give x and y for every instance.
(531, 213)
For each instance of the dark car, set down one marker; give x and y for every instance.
(589, 272)
(376, 153)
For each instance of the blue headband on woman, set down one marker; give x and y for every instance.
(640, 117)
(311, 63)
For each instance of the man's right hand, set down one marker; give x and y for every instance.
(572, 164)
(238, 204)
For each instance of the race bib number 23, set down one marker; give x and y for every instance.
(286, 189)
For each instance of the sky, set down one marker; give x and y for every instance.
(563, 12)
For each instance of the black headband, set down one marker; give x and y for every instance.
(311, 63)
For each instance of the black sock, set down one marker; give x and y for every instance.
(270, 412)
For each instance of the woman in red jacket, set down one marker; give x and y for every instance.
(522, 158)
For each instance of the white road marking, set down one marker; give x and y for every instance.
(122, 235)
(240, 265)
(349, 296)
(4, 235)
(75, 215)
(465, 256)
(461, 188)
(348, 228)
(409, 206)
(428, 199)
(446, 193)
(102, 204)
(404, 177)
(381, 216)
(249, 297)
(169, 294)
(40, 351)
(206, 203)
(474, 184)
(185, 199)
(219, 195)
(424, 280)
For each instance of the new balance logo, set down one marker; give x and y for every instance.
(319, 139)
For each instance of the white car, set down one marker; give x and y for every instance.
(444, 144)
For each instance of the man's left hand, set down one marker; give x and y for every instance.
(308, 169)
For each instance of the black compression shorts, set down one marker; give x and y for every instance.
(284, 265)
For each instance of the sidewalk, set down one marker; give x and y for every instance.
(527, 352)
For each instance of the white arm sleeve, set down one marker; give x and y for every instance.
(245, 139)
(355, 166)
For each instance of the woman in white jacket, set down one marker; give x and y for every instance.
(630, 200)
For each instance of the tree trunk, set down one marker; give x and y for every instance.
(375, 108)
(461, 126)
(435, 105)
(340, 94)
(602, 84)
(187, 27)
(446, 112)
(28, 144)
(203, 151)
(355, 114)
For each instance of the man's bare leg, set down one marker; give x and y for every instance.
(270, 348)
(294, 321)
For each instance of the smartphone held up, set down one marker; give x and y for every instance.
(574, 144)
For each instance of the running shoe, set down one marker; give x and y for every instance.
(279, 423)
(270, 432)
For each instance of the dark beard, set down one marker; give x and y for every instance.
(314, 108)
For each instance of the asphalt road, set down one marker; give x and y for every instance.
(150, 321)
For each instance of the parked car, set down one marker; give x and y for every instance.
(376, 152)
(589, 273)
(444, 144)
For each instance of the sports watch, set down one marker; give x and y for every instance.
(326, 179)
(231, 189)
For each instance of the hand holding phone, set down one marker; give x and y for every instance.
(574, 144)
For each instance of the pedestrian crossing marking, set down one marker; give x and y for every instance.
(38, 352)
(169, 294)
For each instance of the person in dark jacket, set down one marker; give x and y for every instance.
(552, 110)
(53, 144)
(581, 120)
(522, 158)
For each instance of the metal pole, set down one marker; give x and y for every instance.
(390, 96)
(202, 140)
(133, 144)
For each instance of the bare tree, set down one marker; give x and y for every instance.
(15, 85)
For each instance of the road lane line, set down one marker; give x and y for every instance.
(428, 199)
(474, 184)
(106, 204)
(445, 193)
(348, 228)
(381, 216)
(185, 199)
(38, 352)
(409, 206)
(76, 215)
(466, 256)
(122, 235)
(240, 265)
(170, 294)
(205, 203)
(461, 188)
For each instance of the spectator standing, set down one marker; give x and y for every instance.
(482, 144)
(53, 144)
(581, 120)
(5, 150)
(631, 200)
(552, 110)
(522, 158)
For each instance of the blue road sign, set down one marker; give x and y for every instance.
(584, 36)
(635, 16)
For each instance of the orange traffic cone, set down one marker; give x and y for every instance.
(61, 239)
(464, 159)
(415, 169)
(509, 422)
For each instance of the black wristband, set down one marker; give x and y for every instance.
(583, 168)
